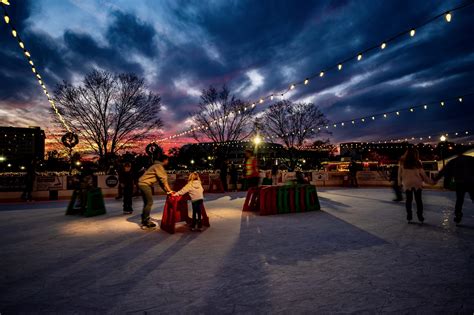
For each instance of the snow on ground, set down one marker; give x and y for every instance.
(357, 255)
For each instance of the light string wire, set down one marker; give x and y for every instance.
(27, 54)
(339, 66)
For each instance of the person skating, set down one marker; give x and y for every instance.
(196, 193)
(155, 173)
(251, 170)
(461, 170)
(395, 184)
(411, 175)
(126, 178)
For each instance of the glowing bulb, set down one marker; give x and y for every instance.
(412, 110)
(261, 101)
(460, 99)
(442, 138)
(7, 19)
(27, 54)
(363, 119)
(21, 45)
(359, 57)
(14, 33)
(321, 74)
(425, 106)
(353, 122)
(339, 66)
(271, 97)
(31, 62)
(398, 113)
(412, 33)
(384, 115)
(383, 45)
(306, 81)
(257, 140)
(373, 118)
(33, 69)
(292, 87)
(447, 17)
(442, 103)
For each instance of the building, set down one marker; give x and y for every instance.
(20, 145)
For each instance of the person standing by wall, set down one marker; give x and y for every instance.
(234, 176)
(461, 170)
(353, 168)
(126, 179)
(412, 176)
(155, 173)
(251, 169)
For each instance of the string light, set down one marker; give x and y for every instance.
(27, 54)
(359, 56)
(448, 17)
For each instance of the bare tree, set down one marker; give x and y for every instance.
(292, 123)
(109, 111)
(222, 117)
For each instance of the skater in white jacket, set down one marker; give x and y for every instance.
(196, 193)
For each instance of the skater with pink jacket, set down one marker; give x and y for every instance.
(411, 175)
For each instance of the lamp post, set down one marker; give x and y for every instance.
(442, 144)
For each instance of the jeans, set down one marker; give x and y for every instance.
(418, 201)
(461, 191)
(127, 193)
(147, 194)
(197, 205)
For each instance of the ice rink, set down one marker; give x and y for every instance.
(356, 255)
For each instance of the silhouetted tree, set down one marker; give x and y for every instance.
(109, 111)
(222, 117)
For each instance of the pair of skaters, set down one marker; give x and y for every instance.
(157, 174)
(411, 175)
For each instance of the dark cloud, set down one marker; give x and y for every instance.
(214, 43)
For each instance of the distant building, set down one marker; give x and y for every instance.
(21, 144)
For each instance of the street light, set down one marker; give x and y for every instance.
(257, 140)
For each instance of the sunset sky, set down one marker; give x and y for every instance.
(256, 48)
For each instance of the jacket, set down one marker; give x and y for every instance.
(251, 169)
(155, 173)
(412, 178)
(461, 169)
(194, 189)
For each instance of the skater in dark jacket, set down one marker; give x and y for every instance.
(397, 189)
(461, 169)
(127, 179)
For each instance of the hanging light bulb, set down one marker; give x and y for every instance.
(33, 69)
(383, 45)
(14, 33)
(7, 19)
(442, 103)
(412, 32)
(460, 100)
(291, 87)
(353, 122)
(339, 66)
(27, 54)
(271, 97)
(359, 57)
(398, 113)
(321, 74)
(412, 110)
(31, 62)
(384, 115)
(447, 17)
(21, 44)
(373, 117)
(306, 81)
(425, 106)
(261, 101)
